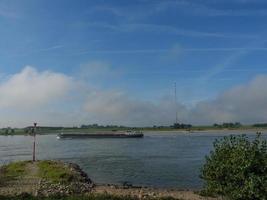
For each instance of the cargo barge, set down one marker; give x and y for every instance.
(127, 134)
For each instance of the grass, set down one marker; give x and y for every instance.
(89, 197)
(55, 172)
(12, 171)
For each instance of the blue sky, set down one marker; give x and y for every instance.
(138, 48)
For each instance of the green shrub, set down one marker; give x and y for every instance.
(237, 169)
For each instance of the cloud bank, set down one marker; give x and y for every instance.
(30, 88)
(115, 107)
(245, 103)
(45, 96)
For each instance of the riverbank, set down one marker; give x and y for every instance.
(43, 178)
(148, 192)
(148, 131)
(54, 178)
(209, 131)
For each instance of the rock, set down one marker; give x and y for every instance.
(127, 185)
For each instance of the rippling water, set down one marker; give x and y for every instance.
(165, 159)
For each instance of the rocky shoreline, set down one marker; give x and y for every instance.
(78, 183)
(84, 185)
(140, 192)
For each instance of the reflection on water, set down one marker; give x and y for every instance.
(165, 159)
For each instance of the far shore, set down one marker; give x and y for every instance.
(254, 130)
(243, 130)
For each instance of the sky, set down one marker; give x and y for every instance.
(67, 63)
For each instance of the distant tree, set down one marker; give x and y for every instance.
(238, 124)
(26, 130)
(260, 125)
(84, 126)
(228, 125)
(181, 126)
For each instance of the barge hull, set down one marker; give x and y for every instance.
(62, 136)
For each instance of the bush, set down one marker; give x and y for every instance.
(237, 169)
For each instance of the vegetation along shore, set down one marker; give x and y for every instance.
(98, 128)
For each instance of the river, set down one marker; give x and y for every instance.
(160, 159)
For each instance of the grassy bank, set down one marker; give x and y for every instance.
(44, 178)
(12, 172)
(48, 170)
(55, 172)
(54, 180)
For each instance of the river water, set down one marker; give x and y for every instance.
(160, 159)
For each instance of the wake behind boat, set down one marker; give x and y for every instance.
(126, 134)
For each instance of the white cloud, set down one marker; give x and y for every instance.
(118, 108)
(246, 103)
(31, 88)
(43, 96)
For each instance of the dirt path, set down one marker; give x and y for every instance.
(27, 183)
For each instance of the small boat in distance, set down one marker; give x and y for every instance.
(119, 134)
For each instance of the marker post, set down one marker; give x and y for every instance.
(34, 141)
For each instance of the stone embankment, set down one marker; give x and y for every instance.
(54, 178)
(27, 178)
(81, 183)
